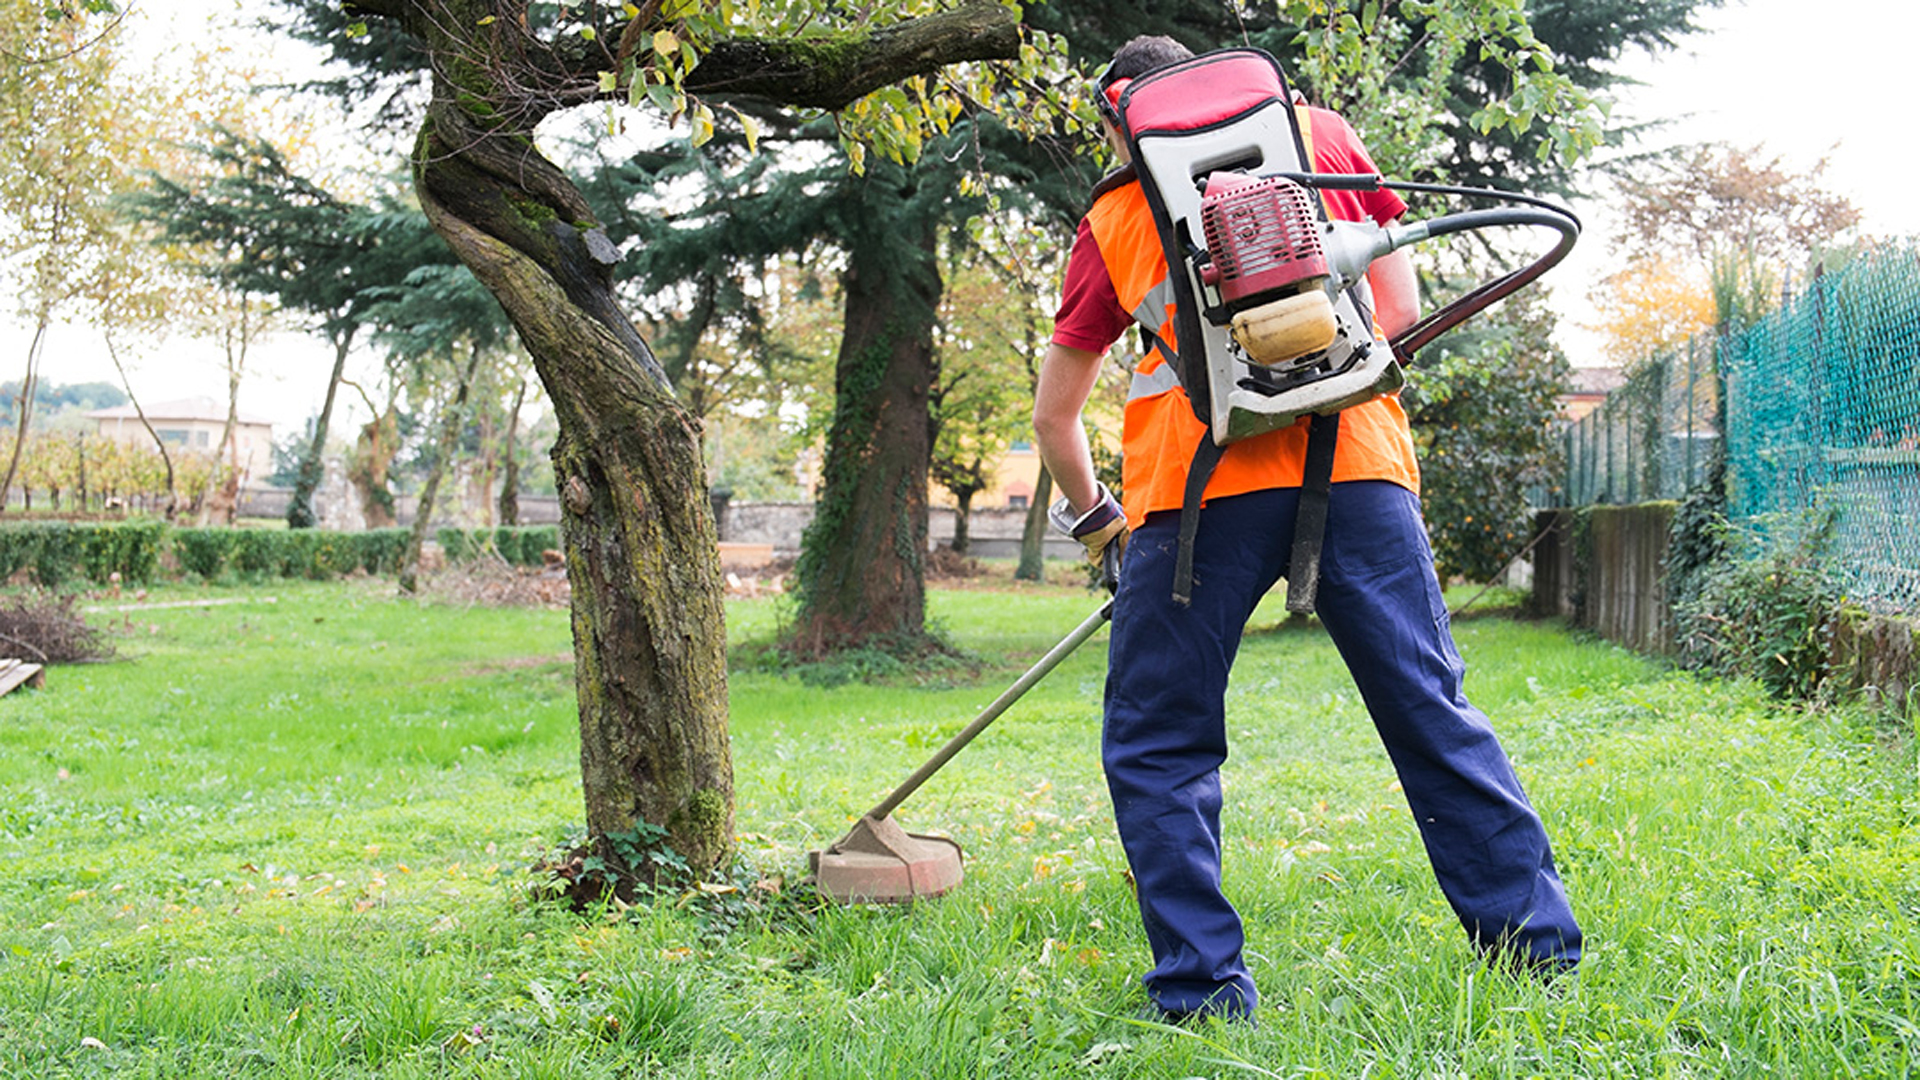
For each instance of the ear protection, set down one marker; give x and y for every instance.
(1106, 97)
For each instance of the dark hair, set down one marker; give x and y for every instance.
(1143, 54)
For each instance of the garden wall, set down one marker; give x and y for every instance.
(1603, 568)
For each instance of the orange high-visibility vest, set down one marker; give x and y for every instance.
(1161, 431)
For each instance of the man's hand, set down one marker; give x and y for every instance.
(1102, 530)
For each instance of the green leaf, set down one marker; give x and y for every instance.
(750, 126)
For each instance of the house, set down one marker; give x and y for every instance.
(1587, 387)
(194, 424)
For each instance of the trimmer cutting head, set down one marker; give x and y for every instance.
(878, 862)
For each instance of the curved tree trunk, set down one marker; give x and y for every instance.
(166, 459)
(862, 568)
(649, 652)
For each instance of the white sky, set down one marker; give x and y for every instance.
(1804, 81)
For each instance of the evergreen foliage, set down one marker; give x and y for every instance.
(49, 398)
(1481, 402)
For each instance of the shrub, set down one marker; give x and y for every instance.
(1769, 609)
(203, 552)
(507, 541)
(130, 549)
(380, 549)
(19, 547)
(457, 544)
(536, 540)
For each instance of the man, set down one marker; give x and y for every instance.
(1165, 732)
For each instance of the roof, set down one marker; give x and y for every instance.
(1595, 380)
(194, 408)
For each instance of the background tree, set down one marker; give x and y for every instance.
(66, 145)
(1482, 402)
(982, 396)
(1654, 304)
(439, 317)
(267, 229)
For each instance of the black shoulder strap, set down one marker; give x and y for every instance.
(1205, 457)
(1310, 519)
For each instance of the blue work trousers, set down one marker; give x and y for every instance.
(1165, 735)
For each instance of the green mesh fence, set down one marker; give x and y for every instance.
(1653, 438)
(1824, 406)
(1822, 416)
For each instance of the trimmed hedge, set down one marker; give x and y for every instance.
(297, 553)
(519, 545)
(59, 553)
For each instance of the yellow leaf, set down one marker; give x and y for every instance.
(488, 21)
(587, 33)
(609, 82)
(630, 11)
(666, 42)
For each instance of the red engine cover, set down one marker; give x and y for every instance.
(1262, 235)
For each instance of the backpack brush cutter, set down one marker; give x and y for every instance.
(1274, 322)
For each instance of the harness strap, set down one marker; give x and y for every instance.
(1310, 519)
(1205, 457)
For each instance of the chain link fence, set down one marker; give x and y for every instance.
(1822, 416)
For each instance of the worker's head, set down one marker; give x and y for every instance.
(1132, 60)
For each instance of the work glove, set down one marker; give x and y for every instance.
(1102, 530)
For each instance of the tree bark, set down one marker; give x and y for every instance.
(28, 387)
(313, 466)
(962, 521)
(1033, 535)
(509, 512)
(862, 568)
(642, 552)
(642, 558)
(443, 456)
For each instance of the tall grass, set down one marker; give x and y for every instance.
(290, 839)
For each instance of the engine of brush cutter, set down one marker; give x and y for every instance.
(1268, 265)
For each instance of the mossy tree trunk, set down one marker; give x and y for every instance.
(649, 652)
(641, 549)
(862, 568)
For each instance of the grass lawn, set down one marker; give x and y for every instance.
(288, 836)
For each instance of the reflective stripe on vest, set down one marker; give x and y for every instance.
(1161, 430)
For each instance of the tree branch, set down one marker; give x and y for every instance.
(392, 9)
(828, 74)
